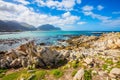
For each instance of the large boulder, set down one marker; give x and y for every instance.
(50, 57)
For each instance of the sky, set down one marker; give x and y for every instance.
(88, 15)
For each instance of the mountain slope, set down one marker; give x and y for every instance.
(47, 27)
(15, 26)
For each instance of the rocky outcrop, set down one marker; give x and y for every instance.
(30, 55)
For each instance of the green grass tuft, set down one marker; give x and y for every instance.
(40, 75)
(12, 76)
(87, 75)
(2, 72)
(57, 73)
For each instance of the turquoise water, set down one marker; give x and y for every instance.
(38, 34)
(47, 37)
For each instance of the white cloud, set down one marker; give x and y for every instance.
(67, 14)
(81, 23)
(112, 22)
(105, 20)
(63, 5)
(116, 12)
(21, 13)
(99, 7)
(78, 1)
(87, 8)
(24, 2)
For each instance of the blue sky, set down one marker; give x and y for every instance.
(66, 14)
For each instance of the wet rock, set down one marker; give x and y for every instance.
(42, 44)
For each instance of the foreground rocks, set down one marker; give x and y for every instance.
(30, 55)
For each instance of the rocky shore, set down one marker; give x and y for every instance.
(84, 58)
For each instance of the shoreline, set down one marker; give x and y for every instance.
(98, 55)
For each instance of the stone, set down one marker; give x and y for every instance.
(115, 73)
(30, 71)
(24, 62)
(88, 60)
(102, 73)
(79, 75)
(30, 78)
(15, 63)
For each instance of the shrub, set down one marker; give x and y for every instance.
(87, 75)
(104, 66)
(57, 73)
(75, 64)
(40, 75)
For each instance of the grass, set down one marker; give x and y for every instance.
(57, 73)
(104, 66)
(12, 76)
(73, 73)
(74, 64)
(87, 75)
(109, 61)
(118, 64)
(2, 71)
(40, 75)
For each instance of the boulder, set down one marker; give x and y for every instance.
(79, 75)
(115, 72)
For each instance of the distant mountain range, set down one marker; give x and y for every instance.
(7, 26)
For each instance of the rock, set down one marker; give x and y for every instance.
(79, 75)
(88, 60)
(42, 44)
(22, 78)
(31, 77)
(24, 62)
(102, 73)
(115, 72)
(15, 63)
(37, 61)
(4, 63)
(49, 57)
(66, 53)
(31, 71)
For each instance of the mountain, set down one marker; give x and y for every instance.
(47, 27)
(9, 26)
(15, 26)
